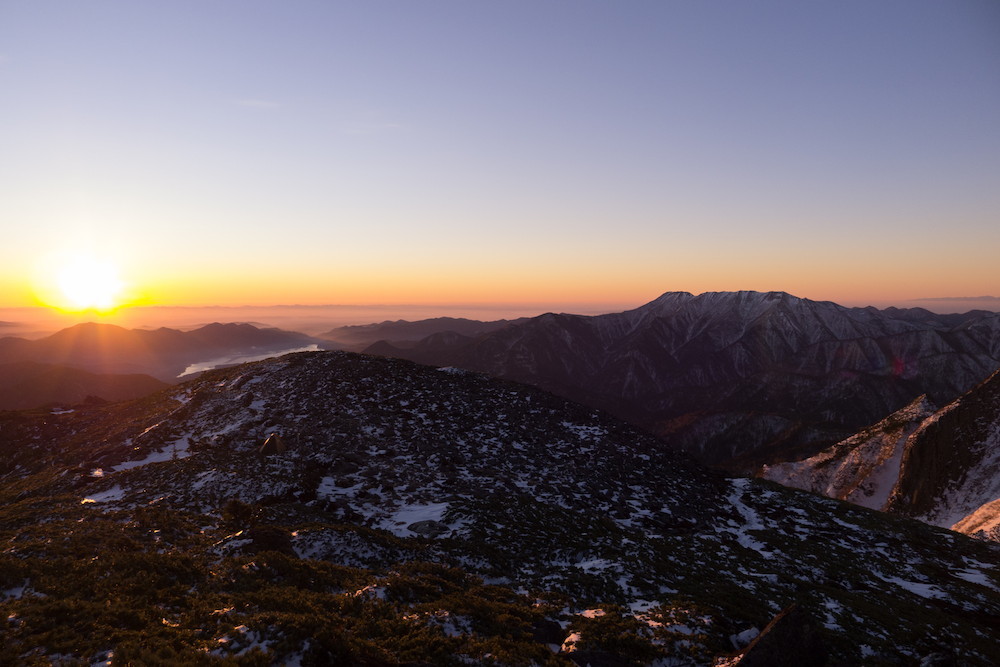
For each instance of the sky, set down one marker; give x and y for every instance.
(515, 152)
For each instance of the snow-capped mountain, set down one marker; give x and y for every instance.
(404, 514)
(939, 466)
(737, 378)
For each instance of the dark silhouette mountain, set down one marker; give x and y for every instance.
(401, 332)
(939, 466)
(425, 516)
(163, 353)
(736, 378)
(29, 384)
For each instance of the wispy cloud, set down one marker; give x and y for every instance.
(257, 104)
(363, 127)
(960, 298)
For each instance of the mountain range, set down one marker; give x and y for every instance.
(407, 515)
(113, 363)
(28, 384)
(736, 379)
(401, 332)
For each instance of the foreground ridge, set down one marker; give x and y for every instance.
(435, 515)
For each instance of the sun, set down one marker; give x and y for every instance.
(88, 283)
(83, 282)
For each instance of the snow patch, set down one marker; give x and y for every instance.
(114, 493)
(178, 449)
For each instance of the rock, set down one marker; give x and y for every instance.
(547, 631)
(791, 639)
(428, 528)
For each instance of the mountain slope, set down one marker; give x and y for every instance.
(939, 466)
(862, 469)
(400, 332)
(163, 353)
(30, 385)
(424, 515)
(738, 378)
(951, 465)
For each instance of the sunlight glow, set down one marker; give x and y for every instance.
(89, 283)
(82, 282)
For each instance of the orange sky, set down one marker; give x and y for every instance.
(630, 153)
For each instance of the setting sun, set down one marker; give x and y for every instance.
(89, 283)
(80, 282)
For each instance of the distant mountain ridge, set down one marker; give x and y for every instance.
(163, 353)
(28, 384)
(400, 331)
(736, 378)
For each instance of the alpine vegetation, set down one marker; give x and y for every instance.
(403, 514)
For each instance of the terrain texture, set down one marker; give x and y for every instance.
(412, 515)
(939, 466)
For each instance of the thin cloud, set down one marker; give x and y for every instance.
(960, 298)
(370, 128)
(258, 104)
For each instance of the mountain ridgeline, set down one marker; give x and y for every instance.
(736, 379)
(111, 351)
(401, 332)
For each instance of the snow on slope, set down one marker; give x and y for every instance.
(966, 501)
(984, 522)
(522, 490)
(942, 467)
(862, 469)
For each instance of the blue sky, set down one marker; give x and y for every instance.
(440, 152)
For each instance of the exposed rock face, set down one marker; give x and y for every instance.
(862, 469)
(983, 523)
(738, 378)
(951, 466)
(274, 444)
(942, 467)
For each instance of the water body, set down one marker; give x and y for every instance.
(233, 360)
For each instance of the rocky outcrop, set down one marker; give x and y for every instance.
(792, 639)
(942, 466)
(862, 469)
(951, 465)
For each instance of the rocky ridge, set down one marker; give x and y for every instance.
(939, 466)
(479, 520)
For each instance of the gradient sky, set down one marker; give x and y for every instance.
(519, 152)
